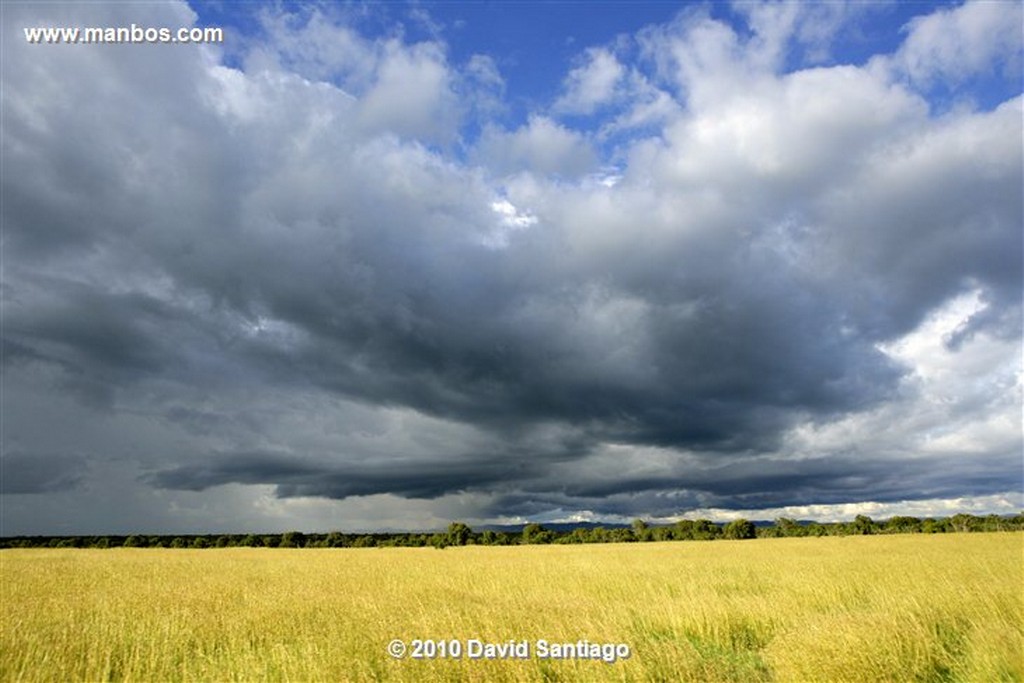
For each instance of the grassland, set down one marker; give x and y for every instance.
(874, 608)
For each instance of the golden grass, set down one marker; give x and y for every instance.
(889, 608)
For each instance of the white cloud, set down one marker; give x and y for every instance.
(400, 88)
(953, 44)
(511, 220)
(591, 85)
(541, 146)
(953, 406)
(1007, 503)
(314, 45)
(483, 69)
(412, 95)
(791, 26)
(701, 57)
(482, 88)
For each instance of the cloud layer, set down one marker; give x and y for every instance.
(337, 274)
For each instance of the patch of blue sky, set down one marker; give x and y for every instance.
(534, 46)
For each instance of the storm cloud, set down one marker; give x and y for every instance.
(317, 264)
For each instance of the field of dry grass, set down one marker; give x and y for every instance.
(875, 608)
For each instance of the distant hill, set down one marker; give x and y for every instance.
(560, 527)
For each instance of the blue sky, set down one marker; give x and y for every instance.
(535, 44)
(384, 266)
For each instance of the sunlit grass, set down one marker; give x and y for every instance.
(885, 608)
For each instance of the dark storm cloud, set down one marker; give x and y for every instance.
(297, 282)
(41, 473)
(703, 365)
(89, 328)
(294, 477)
(759, 484)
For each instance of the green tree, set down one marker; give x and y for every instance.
(705, 530)
(458, 534)
(963, 522)
(862, 525)
(739, 529)
(816, 529)
(535, 533)
(994, 523)
(621, 536)
(683, 530)
(364, 541)
(335, 539)
(903, 525)
(641, 530)
(293, 539)
(789, 527)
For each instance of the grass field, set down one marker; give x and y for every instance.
(873, 608)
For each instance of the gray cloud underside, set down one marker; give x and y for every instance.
(41, 472)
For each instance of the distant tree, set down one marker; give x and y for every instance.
(458, 534)
(684, 530)
(535, 533)
(200, 542)
(994, 523)
(862, 525)
(364, 541)
(902, 525)
(335, 539)
(134, 542)
(815, 529)
(271, 541)
(963, 522)
(789, 527)
(178, 542)
(293, 539)
(705, 530)
(740, 529)
(621, 536)
(935, 526)
(641, 530)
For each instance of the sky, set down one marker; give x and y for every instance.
(385, 266)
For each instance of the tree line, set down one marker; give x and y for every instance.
(459, 534)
